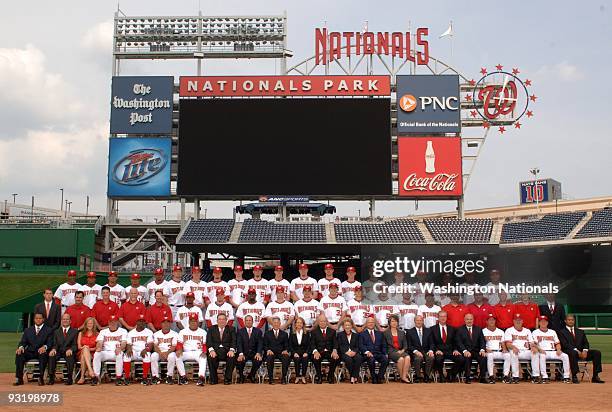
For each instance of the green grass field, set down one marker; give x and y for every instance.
(8, 344)
(18, 286)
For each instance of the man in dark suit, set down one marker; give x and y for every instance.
(64, 346)
(470, 342)
(554, 312)
(49, 309)
(420, 346)
(575, 343)
(221, 344)
(250, 347)
(34, 344)
(276, 346)
(347, 345)
(442, 342)
(323, 346)
(373, 348)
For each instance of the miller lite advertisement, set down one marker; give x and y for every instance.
(139, 167)
(428, 104)
(141, 104)
(430, 167)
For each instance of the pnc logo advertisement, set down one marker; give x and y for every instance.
(409, 103)
(139, 167)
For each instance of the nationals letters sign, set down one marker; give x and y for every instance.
(261, 86)
(430, 167)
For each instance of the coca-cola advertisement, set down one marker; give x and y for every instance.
(430, 167)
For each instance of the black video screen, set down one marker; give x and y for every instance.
(233, 148)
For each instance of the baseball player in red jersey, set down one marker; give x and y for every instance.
(529, 312)
(191, 346)
(131, 310)
(104, 309)
(480, 309)
(456, 311)
(78, 312)
(158, 312)
(64, 295)
(139, 347)
(504, 311)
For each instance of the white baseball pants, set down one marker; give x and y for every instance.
(192, 355)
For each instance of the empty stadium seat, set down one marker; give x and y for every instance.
(392, 231)
(599, 225)
(207, 231)
(460, 231)
(263, 231)
(548, 227)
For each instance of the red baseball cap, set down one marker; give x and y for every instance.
(135, 276)
(333, 285)
(91, 275)
(72, 273)
(279, 267)
(159, 271)
(112, 273)
(177, 267)
(358, 287)
(217, 269)
(280, 289)
(518, 316)
(257, 267)
(166, 319)
(303, 266)
(491, 316)
(543, 317)
(190, 295)
(329, 266)
(238, 268)
(195, 269)
(351, 269)
(307, 287)
(141, 317)
(251, 290)
(220, 291)
(113, 317)
(193, 315)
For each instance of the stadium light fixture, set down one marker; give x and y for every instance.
(14, 197)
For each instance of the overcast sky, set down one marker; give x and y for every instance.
(55, 76)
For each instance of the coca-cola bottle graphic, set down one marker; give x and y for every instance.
(430, 158)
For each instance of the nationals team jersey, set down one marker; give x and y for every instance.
(143, 294)
(261, 286)
(382, 313)
(211, 290)
(256, 310)
(493, 338)
(111, 340)
(182, 315)
(430, 314)
(273, 283)
(283, 310)
(212, 310)
(348, 289)
(407, 314)
(333, 308)
(91, 294)
(297, 286)
(238, 290)
(307, 310)
(192, 340)
(519, 339)
(176, 297)
(545, 340)
(153, 287)
(456, 314)
(139, 340)
(324, 285)
(165, 340)
(359, 311)
(198, 289)
(117, 293)
(65, 293)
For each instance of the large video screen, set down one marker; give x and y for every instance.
(233, 148)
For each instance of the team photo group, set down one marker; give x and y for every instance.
(316, 331)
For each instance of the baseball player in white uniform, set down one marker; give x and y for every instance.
(110, 345)
(549, 348)
(253, 308)
(493, 285)
(143, 294)
(159, 283)
(196, 286)
(278, 281)
(191, 346)
(495, 348)
(176, 298)
(214, 285)
(237, 287)
(219, 306)
(280, 308)
(139, 346)
(407, 310)
(307, 308)
(328, 280)
(333, 306)
(260, 285)
(519, 342)
(117, 292)
(92, 292)
(184, 313)
(358, 309)
(347, 287)
(164, 346)
(429, 311)
(64, 295)
(297, 285)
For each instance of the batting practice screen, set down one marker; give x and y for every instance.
(232, 148)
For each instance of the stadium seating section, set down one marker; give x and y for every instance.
(548, 227)
(394, 231)
(208, 231)
(262, 231)
(460, 231)
(599, 225)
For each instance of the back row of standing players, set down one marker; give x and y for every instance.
(303, 297)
